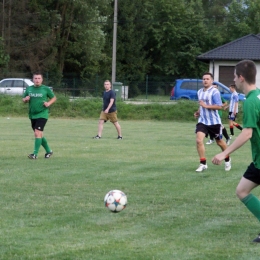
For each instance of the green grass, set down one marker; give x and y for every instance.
(53, 209)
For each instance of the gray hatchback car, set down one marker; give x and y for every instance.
(14, 86)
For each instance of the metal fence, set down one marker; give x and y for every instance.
(76, 87)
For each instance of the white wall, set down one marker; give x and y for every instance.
(231, 63)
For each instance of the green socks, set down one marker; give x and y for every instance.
(37, 145)
(253, 205)
(45, 145)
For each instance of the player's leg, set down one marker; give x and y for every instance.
(248, 182)
(201, 132)
(37, 128)
(211, 139)
(102, 120)
(217, 130)
(225, 134)
(230, 121)
(238, 126)
(113, 119)
(118, 129)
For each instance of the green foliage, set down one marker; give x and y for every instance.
(236, 23)
(4, 58)
(175, 37)
(65, 107)
(69, 39)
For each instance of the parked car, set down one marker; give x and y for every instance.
(188, 88)
(15, 86)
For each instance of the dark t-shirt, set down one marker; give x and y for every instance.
(107, 95)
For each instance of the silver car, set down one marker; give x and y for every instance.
(14, 86)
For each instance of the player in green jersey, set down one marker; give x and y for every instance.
(245, 78)
(39, 97)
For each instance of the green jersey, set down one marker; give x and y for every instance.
(251, 119)
(220, 110)
(38, 95)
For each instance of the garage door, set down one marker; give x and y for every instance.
(226, 75)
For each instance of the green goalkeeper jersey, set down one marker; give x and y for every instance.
(38, 95)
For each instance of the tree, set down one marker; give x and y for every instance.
(131, 63)
(56, 36)
(177, 36)
(4, 58)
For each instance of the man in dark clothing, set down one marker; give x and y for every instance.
(109, 111)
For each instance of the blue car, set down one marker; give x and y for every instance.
(188, 88)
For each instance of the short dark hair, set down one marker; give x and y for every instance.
(246, 69)
(208, 73)
(37, 73)
(232, 86)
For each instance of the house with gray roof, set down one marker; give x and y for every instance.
(223, 59)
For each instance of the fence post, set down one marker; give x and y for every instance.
(74, 86)
(146, 86)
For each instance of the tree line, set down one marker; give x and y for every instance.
(66, 38)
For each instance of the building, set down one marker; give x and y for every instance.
(223, 59)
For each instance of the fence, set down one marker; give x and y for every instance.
(76, 87)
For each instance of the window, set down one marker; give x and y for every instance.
(19, 84)
(192, 85)
(223, 90)
(6, 83)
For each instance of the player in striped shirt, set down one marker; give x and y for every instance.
(233, 110)
(209, 122)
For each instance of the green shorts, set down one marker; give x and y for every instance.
(109, 116)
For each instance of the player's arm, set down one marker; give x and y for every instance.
(216, 102)
(26, 97)
(245, 135)
(214, 107)
(50, 102)
(235, 108)
(109, 105)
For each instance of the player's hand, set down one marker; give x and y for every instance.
(202, 103)
(26, 99)
(217, 159)
(46, 104)
(196, 114)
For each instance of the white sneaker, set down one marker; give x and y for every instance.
(228, 165)
(210, 141)
(202, 167)
(228, 141)
(230, 137)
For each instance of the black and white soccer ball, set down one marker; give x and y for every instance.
(115, 200)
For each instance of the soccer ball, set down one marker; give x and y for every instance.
(115, 200)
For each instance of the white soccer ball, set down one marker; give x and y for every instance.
(115, 200)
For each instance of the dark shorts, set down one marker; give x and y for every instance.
(38, 123)
(231, 116)
(213, 130)
(252, 174)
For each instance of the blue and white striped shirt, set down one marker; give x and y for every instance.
(211, 97)
(233, 100)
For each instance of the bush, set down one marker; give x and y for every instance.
(65, 107)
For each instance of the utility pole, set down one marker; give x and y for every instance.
(114, 44)
(3, 22)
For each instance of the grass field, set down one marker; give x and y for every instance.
(53, 208)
